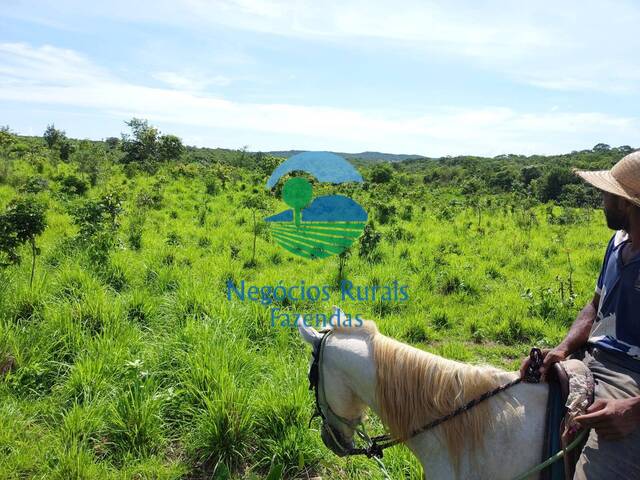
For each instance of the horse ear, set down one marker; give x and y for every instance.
(309, 334)
(339, 314)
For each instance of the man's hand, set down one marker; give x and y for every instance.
(612, 418)
(555, 355)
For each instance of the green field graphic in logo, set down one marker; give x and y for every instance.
(320, 227)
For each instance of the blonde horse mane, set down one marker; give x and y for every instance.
(414, 387)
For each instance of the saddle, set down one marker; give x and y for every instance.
(571, 389)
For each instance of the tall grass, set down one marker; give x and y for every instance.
(140, 367)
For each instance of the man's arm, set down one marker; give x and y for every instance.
(581, 327)
(575, 339)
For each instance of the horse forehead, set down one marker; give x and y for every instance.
(349, 345)
(349, 354)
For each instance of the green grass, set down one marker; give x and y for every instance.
(142, 368)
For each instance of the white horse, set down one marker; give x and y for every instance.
(406, 387)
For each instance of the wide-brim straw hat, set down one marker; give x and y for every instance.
(622, 180)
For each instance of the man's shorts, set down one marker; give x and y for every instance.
(611, 459)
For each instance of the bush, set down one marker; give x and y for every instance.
(369, 241)
(407, 213)
(385, 212)
(34, 185)
(150, 199)
(212, 186)
(580, 195)
(73, 185)
(97, 221)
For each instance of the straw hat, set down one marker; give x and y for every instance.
(622, 180)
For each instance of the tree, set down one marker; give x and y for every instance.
(625, 149)
(7, 142)
(529, 173)
(266, 164)
(169, 148)
(549, 186)
(505, 179)
(381, 173)
(7, 138)
(89, 160)
(66, 149)
(53, 136)
(146, 146)
(112, 142)
(141, 145)
(255, 203)
(23, 220)
(601, 148)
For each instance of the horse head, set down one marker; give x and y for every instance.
(340, 409)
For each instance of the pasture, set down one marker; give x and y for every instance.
(126, 359)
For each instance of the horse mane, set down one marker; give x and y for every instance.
(414, 387)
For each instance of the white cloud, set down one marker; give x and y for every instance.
(51, 76)
(191, 82)
(584, 45)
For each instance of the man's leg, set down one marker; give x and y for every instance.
(610, 459)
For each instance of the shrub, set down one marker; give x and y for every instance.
(97, 222)
(385, 212)
(150, 199)
(34, 185)
(212, 186)
(73, 185)
(407, 213)
(369, 241)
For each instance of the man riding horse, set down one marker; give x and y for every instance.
(606, 334)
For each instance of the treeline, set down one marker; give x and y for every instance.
(144, 149)
(545, 178)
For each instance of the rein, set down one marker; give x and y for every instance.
(377, 445)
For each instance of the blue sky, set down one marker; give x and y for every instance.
(430, 78)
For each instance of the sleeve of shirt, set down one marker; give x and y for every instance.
(600, 282)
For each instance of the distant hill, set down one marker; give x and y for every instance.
(364, 156)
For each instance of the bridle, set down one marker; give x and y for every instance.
(376, 445)
(331, 438)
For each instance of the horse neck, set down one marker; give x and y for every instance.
(352, 356)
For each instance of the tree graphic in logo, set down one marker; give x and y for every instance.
(320, 227)
(297, 193)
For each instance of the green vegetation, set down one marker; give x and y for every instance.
(125, 359)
